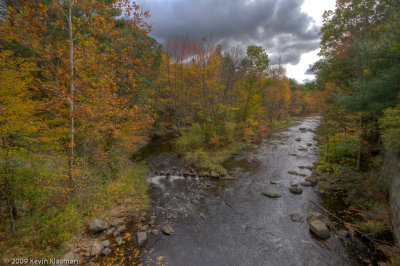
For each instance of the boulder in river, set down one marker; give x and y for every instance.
(298, 139)
(312, 216)
(302, 149)
(141, 237)
(167, 229)
(311, 179)
(97, 226)
(296, 190)
(273, 182)
(292, 172)
(305, 183)
(320, 229)
(297, 218)
(271, 195)
(227, 177)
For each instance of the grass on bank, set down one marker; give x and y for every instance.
(45, 232)
(208, 148)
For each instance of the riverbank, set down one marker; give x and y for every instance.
(358, 199)
(62, 232)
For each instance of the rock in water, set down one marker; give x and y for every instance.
(97, 226)
(271, 195)
(154, 232)
(106, 251)
(228, 177)
(296, 218)
(141, 237)
(298, 139)
(320, 229)
(273, 182)
(305, 183)
(96, 249)
(167, 230)
(296, 190)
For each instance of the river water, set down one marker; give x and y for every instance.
(231, 222)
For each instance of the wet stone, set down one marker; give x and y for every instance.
(273, 182)
(296, 190)
(305, 183)
(271, 195)
(297, 218)
(298, 139)
(320, 229)
(167, 229)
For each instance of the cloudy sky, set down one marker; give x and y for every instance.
(288, 29)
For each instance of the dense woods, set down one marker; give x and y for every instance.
(83, 86)
(359, 74)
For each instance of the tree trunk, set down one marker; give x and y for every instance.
(360, 145)
(71, 94)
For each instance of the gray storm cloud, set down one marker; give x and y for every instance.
(278, 25)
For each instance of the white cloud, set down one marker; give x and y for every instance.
(315, 9)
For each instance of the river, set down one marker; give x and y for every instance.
(230, 222)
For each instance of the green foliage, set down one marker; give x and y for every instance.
(191, 139)
(390, 128)
(371, 227)
(324, 185)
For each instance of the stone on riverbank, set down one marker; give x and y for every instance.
(118, 239)
(96, 249)
(106, 251)
(320, 229)
(106, 243)
(141, 237)
(97, 226)
(119, 230)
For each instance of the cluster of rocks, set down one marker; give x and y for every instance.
(151, 227)
(194, 173)
(100, 227)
